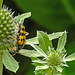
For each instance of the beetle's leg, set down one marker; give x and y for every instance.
(12, 38)
(26, 34)
(15, 23)
(12, 48)
(12, 51)
(13, 54)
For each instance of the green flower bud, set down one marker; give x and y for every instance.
(7, 27)
(54, 58)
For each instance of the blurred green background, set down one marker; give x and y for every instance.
(49, 16)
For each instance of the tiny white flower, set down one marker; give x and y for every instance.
(5, 22)
(3, 17)
(10, 21)
(4, 28)
(1, 25)
(1, 13)
(7, 18)
(7, 25)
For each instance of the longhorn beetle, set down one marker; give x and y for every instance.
(21, 38)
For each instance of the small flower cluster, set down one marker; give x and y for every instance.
(52, 61)
(7, 27)
(54, 58)
(8, 31)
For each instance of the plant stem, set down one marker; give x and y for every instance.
(1, 64)
(52, 72)
(1, 1)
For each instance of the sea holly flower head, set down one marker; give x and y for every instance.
(52, 60)
(7, 27)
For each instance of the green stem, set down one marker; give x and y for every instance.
(52, 72)
(1, 64)
(1, 1)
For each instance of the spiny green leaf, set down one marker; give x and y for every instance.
(9, 62)
(51, 37)
(41, 67)
(59, 68)
(43, 40)
(40, 61)
(20, 18)
(64, 65)
(34, 58)
(50, 44)
(38, 72)
(30, 53)
(62, 42)
(32, 41)
(70, 57)
(55, 35)
(35, 63)
(39, 50)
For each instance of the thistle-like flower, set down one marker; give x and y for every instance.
(52, 60)
(7, 27)
(8, 31)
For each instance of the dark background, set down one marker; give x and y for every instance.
(49, 16)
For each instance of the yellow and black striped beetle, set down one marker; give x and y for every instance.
(21, 38)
